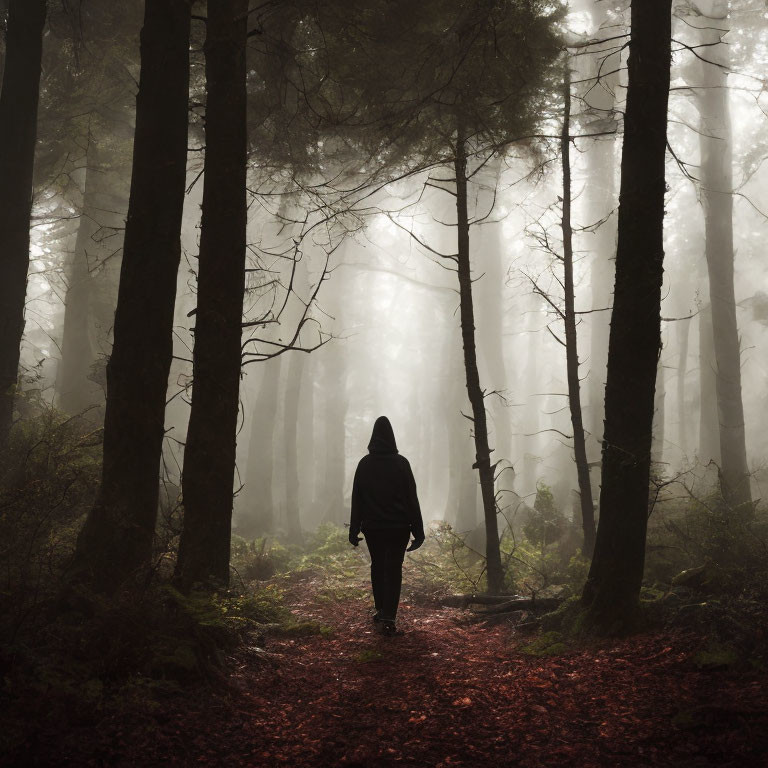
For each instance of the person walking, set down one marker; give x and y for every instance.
(385, 507)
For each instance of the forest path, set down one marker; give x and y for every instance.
(451, 693)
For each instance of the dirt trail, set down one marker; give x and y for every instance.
(448, 693)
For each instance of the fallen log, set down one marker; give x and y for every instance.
(523, 604)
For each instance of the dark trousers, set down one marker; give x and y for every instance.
(387, 548)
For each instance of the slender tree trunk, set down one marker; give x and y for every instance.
(18, 133)
(292, 394)
(571, 339)
(709, 432)
(715, 141)
(529, 440)
(612, 590)
(116, 540)
(683, 328)
(494, 570)
(209, 455)
(257, 519)
(73, 388)
(659, 417)
(307, 442)
(334, 378)
(92, 282)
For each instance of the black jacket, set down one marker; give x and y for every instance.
(384, 490)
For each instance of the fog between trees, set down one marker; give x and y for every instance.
(357, 282)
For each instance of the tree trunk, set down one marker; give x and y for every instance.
(571, 339)
(709, 432)
(334, 377)
(209, 455)
(659, 418)
(494, 570)
(75, 392)
(92, 282)
(257, 518)
(18, 133)
(291, 427)
(715, 141)
(116, 541)
(683, 328)
(612, 590)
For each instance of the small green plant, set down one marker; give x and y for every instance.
(368, 655)
(546, 644)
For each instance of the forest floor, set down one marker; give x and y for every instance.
(447, 692)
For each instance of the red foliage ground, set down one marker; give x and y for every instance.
(447, 693)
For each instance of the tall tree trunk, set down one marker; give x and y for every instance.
(709, 432)
(209, 455)
(291, 428)
(74, 390)
(18, 133)
(715, 141)
(612, 590)
(116, 540)
(92, 281)
(494, 570)
(659, 416)
(571, 339)
(257, 518)
(683, 332)
(307, 443)
(334, 378)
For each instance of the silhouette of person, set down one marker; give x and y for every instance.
(385, 507)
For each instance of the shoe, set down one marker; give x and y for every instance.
(388, 628)
(377, 618)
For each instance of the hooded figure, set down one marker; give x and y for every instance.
(385, 507)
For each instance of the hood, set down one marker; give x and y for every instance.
(382, 437)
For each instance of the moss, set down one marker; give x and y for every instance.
(714, 655)
(566, 619)
(369, 654)
(546, 644)
(305, 629)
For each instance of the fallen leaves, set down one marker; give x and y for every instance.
(442, 694)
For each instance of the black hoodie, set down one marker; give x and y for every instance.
(384, 490)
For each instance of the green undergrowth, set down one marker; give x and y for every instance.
(550, 643)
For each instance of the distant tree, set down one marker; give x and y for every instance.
(612, 590)
(18, 130)
(711, 97)
(116, 540)
(571, 341)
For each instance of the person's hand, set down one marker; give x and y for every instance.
(354, 539)
(415, 544)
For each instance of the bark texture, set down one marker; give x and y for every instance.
(612, 590)
(494, 570)
(116, 540)
(209, 456)
(18, 132)
(571, 339)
